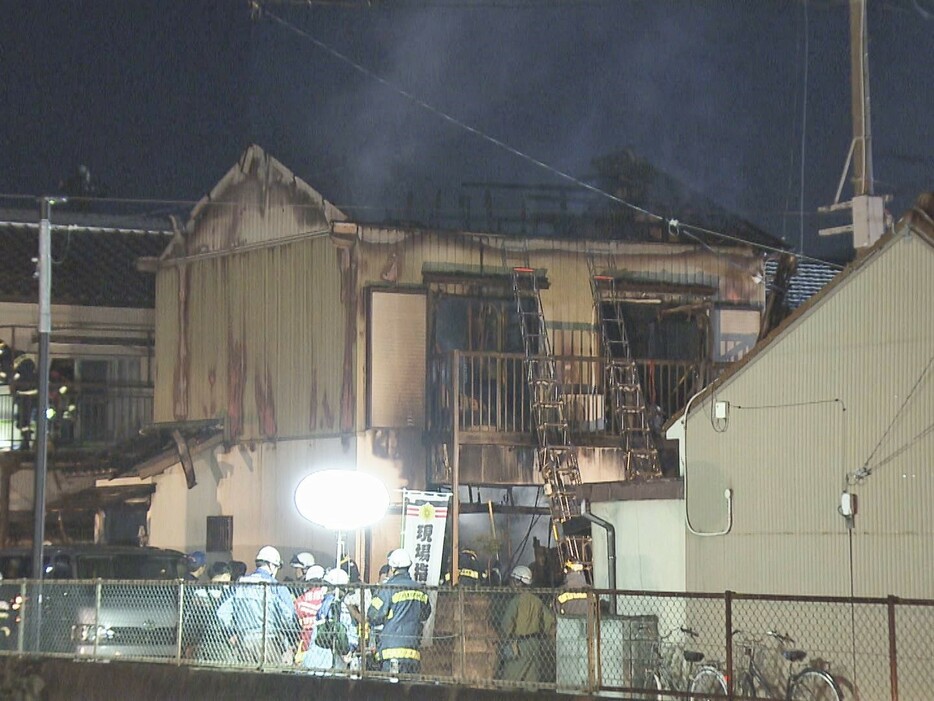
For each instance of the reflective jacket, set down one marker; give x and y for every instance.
(306, 607)
(244, 613)
(401, 606)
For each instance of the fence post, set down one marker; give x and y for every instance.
(598, 647)
(181, 618)
(893, 657)
(262, 658)
(462, 624)
(363, 644)
(728, 601)
(22, 614)
(97, 614)
(591, 636)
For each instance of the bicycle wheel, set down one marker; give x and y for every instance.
(814, 685)
(745, 687)
(662, 686)
(708, 684)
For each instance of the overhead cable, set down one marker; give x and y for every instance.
(672, 223)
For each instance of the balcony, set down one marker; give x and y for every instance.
(87, 416)
(495, 406)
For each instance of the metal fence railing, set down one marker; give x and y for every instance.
(88, 414)
(631, 644)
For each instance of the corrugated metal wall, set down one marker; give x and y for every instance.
(787, 446)
(256, 336)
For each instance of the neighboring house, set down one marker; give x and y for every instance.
(838, 399)
(808, 278)
(100, 356)
(322, 342)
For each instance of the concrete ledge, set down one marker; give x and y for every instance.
(66, 680)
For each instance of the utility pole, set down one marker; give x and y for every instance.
(44, 264)
(868, 223)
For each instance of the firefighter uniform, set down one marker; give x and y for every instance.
(401, 606)
(572, 601)
(529, 626)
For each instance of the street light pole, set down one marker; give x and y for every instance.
(44, 264)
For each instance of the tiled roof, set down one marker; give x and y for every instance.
(808, 280)
(94, 258)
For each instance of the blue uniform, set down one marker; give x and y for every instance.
(401, 606)
(243, 613)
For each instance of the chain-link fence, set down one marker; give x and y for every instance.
(636, 645)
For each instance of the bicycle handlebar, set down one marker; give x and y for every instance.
(683, 629)
(781, 637)
(785, 639)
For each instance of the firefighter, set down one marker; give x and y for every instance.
(527, 628)
(469, 570)
(401, 607)
(572, 601)
(301, 563)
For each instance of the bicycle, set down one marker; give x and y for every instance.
(809, 684)
(708, 683)
(660, 675)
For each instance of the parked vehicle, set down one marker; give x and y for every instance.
(87, 609)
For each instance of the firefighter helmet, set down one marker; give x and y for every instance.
(399, 559)
(269, 554)
(522, 573)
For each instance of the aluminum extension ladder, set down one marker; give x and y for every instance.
(624, 395)
(557, 456)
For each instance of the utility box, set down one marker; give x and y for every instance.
(626, 652)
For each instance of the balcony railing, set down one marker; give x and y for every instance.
(87, 415)
(494, 395)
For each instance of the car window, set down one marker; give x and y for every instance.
(94, 567)
(16, 566)
(59, 568)
(130, 566)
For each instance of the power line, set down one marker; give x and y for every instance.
(457, 122)
(673, 224)
(866, 470)
(686, 227)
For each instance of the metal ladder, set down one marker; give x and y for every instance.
(625, 398)
(557, 457)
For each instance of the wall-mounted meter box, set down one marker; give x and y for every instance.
(721, 409)
(848, 504)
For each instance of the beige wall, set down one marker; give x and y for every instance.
(256, 336)
(788, 444)
(257, 488)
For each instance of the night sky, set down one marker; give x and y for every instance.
(159, 99)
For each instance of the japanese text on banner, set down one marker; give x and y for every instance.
(425, 517)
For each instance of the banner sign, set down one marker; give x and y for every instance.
(425, 515)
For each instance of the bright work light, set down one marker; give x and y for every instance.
(341, 500)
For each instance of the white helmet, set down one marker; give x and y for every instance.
(315, 572)
(522, 573)
(337, 577)
(303, 560)
(399, 559)
(269, 554)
